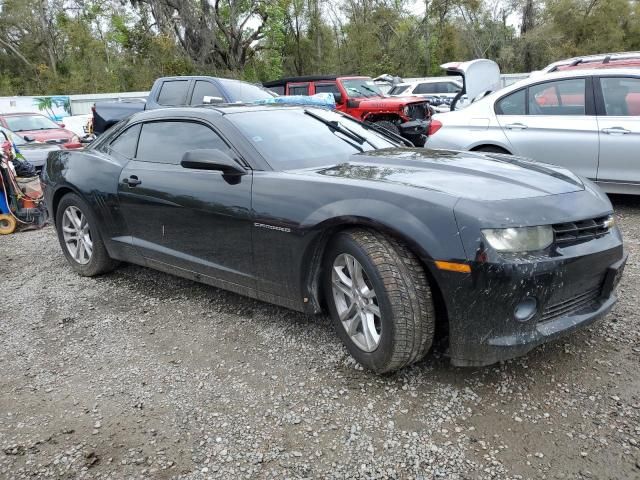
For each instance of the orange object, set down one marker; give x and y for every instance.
(453, 266)
(28, 203)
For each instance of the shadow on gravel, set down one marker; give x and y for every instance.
(312, 334)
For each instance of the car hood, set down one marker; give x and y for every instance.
(461, 174)
(388, 102)
(48, 134)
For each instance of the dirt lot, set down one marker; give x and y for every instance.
(140, 374)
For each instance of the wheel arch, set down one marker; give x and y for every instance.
(60, 192)
(311, 275)
(481, 145)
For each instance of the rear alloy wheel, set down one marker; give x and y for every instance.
(80, 239)
(379, 299)
(77, 235)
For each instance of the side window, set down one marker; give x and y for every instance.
(327, 87)
(125, 144)
(173, 93)
(299, 89)
(621, 96)
(279, 89)
(562, 97)
(167, 142)
(513, 104)
(204, 89)
(425, 88)
(452, 87)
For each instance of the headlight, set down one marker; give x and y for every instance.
(405, 110)
(522, 239)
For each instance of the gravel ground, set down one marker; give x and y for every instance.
(138, 374)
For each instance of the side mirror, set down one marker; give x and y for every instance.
(208, 100)
(338, 97)
(29, 138)
(61, 124)
(212, 159)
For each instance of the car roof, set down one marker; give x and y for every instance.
(602, 58)
(307, 78)
(217, 109)
(582, 72)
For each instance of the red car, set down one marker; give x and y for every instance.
(361, 98)
(37, 127)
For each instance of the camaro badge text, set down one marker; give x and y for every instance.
(272, 227)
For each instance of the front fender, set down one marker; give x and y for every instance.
(432, 235)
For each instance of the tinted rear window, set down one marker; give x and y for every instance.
(173, 92)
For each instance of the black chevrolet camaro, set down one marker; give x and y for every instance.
(309, 209)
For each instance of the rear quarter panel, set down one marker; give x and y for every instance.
(93, 176)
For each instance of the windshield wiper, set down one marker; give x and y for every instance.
(336, 127)
(371, 90)
(387, 133)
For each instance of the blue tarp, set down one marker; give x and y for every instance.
(319, 100)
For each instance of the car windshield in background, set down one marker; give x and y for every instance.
(17, 139)
(290, 138)
(361, 87)
(244, 92)
(29, 122)
(398, 89)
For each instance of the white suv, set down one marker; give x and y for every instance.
(436, 86)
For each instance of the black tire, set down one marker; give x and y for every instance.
(407, 316)
(392, 127)
(100, 262)
(491, 149)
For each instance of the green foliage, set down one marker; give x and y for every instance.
(82, 46)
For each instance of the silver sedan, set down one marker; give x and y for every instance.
(586, 120)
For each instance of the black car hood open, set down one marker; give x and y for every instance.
(461, 174)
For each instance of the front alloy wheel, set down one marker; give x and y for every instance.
(77, 235)
(379, 298)
(356, 302)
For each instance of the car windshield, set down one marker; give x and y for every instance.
(290, 138)
(244, 92)
(17, 139)
(29, 122)
(398, 89)
(361, 87)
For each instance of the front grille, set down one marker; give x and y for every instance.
(581, 231)
(571, 305)
(417, 111)
(57, 141)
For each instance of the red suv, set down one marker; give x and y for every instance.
(361, 98)
(37, 127)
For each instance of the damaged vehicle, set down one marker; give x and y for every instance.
(361, 98)
(312, 210)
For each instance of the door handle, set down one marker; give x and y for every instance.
(616, 131)
(132, 181)
(516, 126)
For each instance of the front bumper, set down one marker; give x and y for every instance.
(415, 131)
(571, 292)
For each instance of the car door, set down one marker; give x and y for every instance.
(194, 220)
(553, 122)
(618, 105)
